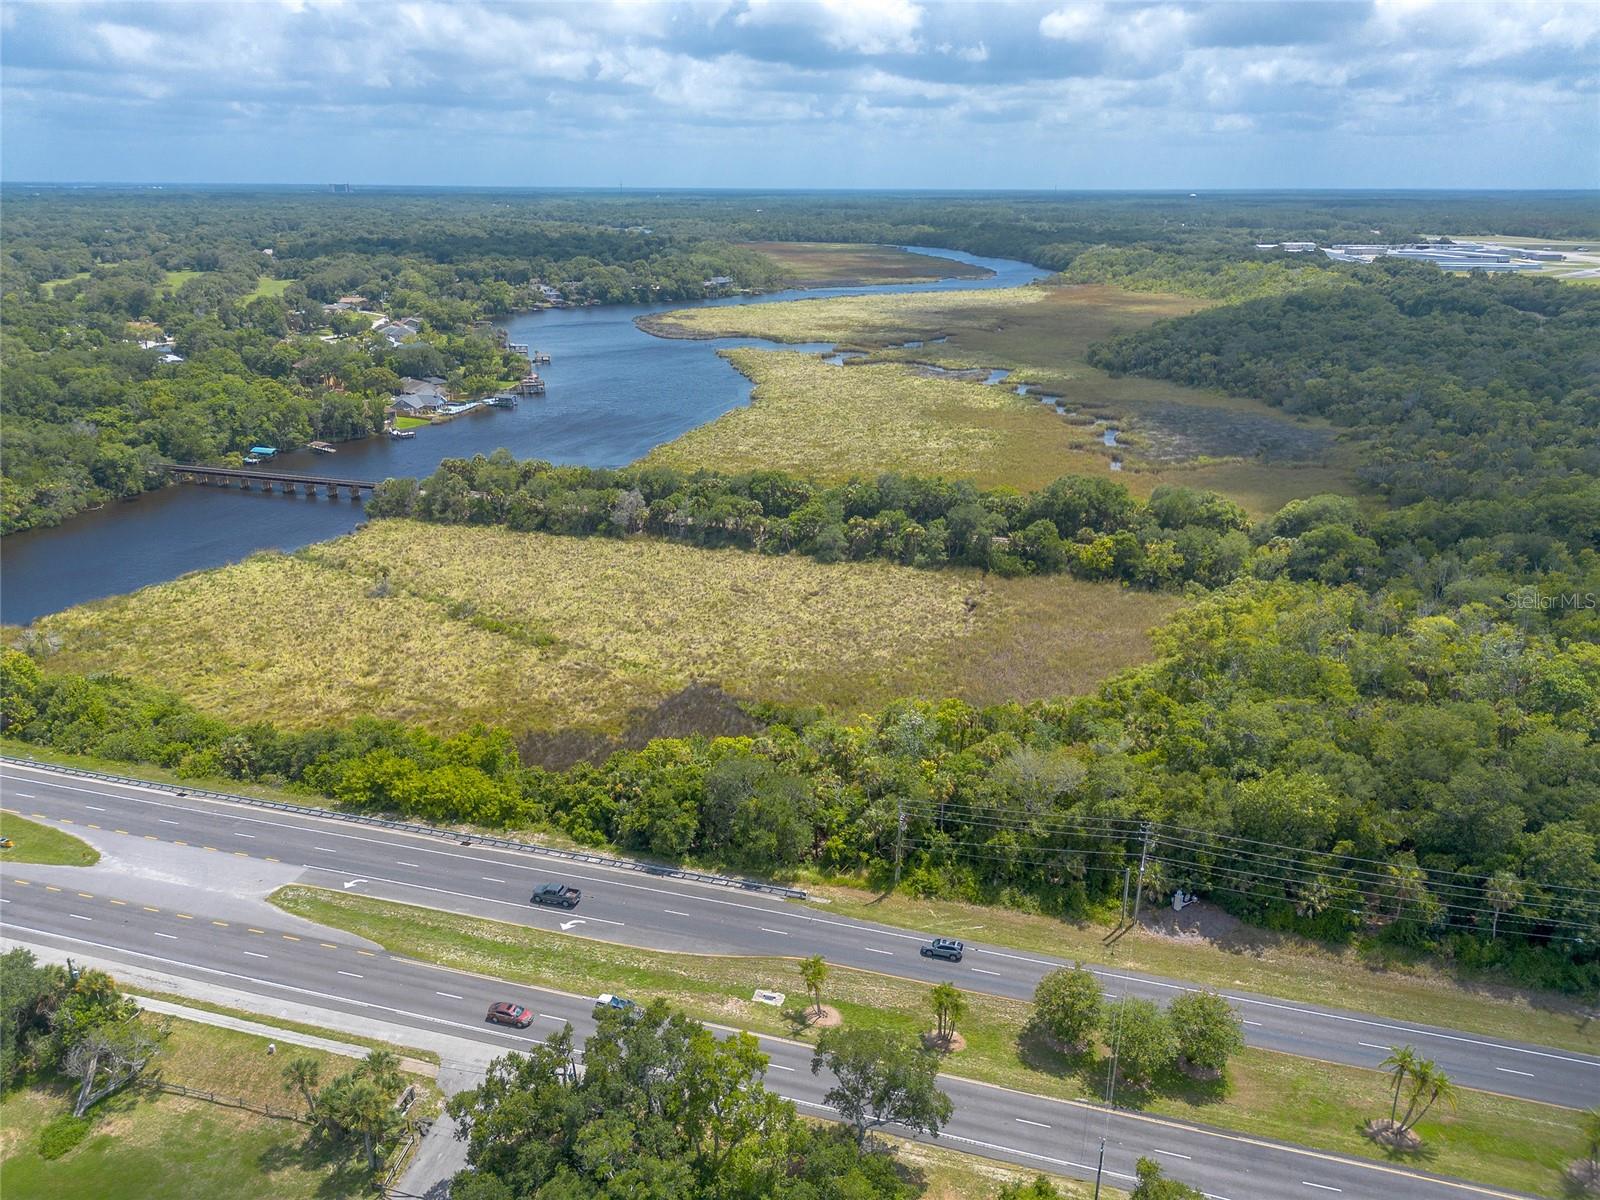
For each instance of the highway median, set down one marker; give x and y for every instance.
(1488, 1139)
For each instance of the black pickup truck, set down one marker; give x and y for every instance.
(557, 893)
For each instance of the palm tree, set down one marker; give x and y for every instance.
(813, 974)
(1437, 1085)
(1504, 892)
(383, 1068)
(1402, 1061)
(302, 1074)
(949, 1006)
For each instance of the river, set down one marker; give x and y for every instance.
(614, 393)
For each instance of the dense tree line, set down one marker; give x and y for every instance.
(1431, 779)
(1476, 400)
(661, 1108)
(1090, 527)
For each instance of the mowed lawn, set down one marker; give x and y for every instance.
(886, 413)
(442, 625)
(36, 843)
(150, 1146)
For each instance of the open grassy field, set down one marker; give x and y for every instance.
(1166, 433)
(539, 632)
(835, 264)
(1490, 1139)
(36, 843)
(151, 1146)
(831, 422)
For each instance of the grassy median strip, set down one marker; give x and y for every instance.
(1246, 958)
(1490, 1139)
(36, 843)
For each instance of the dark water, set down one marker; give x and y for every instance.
(615, 392)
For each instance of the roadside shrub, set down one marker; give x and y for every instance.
(1209, 1032)
(62, 1134)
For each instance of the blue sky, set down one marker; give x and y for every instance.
(829, 93)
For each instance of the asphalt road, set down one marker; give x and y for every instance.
(285, 961)
(671, 915)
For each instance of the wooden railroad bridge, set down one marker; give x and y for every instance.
(268, 480)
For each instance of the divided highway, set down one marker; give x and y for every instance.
(676, 916)
(282, 961)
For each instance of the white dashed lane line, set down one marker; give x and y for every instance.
(1320, 1186)
(79, 917)
(779, 932)
(490, 879)
(1171, 1153)
(870, 950)
(448, 995)
(164, 821)
(94, 808)
(352, 974)
(1509, 1071)
(255, 954)
(674, 912)
(415, 866)
(1036, 1124)
(981, 971)
(171, 937)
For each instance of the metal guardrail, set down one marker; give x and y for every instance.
(477, 839)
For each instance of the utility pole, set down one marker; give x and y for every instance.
(899, 835)
(1099, 1169)
(1144, 855)
(1127, 876)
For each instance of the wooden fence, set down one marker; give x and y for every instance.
(265, 1110)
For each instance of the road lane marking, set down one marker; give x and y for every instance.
(789, 913)
(94, 808)
(79, 917)
(981, 971)
(1509, 1071)
(327, 945)
(87, 895)
(1171, 1153)
(490, 879)
(1374, 1046)
(675, 912)
(1324, 1187)
(779, 932)
(352, 974)
(1025, 1121)
(324, 850)
(870, 950)
(1257, 1024)
(548, 1017)
(164, 821)
(414, 866)
(255, 954)
(448, 995)
(221, 924)
(24, 795)
(50, 887)
(121, 903)
(244, 835)
(183, 916)
(255, 930)
(151, 908)
(288, 937)
(171, 937)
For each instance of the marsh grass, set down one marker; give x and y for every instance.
(825, 264)
(1171, 434)
(542, 632)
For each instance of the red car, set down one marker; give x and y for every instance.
(507, 1013)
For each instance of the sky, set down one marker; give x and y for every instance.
(814, 94)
